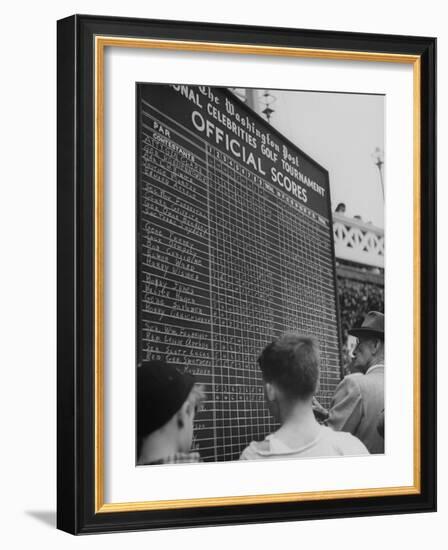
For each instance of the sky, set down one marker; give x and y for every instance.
(340, 131)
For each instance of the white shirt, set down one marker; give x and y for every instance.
(327, 443)
(373, 367)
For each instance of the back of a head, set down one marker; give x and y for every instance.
(161, 392)
(292, 363)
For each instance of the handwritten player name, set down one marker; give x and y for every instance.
(162, 313)
(191, 361)
(173, 270)
(172, 153)
(166, 285)
(191, 365)
(177, 218)
(179, 352)
(164, 163)
(171, 176)
(179, 254)
(177, 307)
(180, 184)
(168, 199)
(163, 236)
(176, 300)
(171, 258)
(183, 332)
(179, 341)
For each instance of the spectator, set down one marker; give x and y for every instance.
(290, 370)
(359, 399)
(356, 298)
(166, 403)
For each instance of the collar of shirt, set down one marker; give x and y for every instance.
(373, 367)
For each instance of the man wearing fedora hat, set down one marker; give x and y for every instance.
(358, 401)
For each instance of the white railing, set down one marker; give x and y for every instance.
(357, 241)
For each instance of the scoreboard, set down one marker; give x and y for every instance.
(235, 247)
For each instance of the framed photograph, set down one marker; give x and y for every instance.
(246, 274)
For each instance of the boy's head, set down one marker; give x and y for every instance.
(166, 400)
(290, 367)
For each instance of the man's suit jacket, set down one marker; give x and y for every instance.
(357, 405)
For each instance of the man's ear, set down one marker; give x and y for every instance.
(183, 413)
(376, 345)
(180, 419)
(271, 392)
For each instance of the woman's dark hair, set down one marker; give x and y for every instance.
(292, 363)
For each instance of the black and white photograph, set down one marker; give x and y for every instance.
(260, 274)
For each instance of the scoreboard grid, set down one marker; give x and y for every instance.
(227, 260)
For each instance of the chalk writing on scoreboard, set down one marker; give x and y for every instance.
(235, 247)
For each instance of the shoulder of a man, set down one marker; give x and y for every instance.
(347, 404)
(371, 379)
(252, 451)
(345, 443)
(352, 383)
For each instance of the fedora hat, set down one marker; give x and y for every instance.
(373, 324)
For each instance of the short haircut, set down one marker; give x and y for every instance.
(292, 363)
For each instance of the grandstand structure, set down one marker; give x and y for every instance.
(359, 254)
